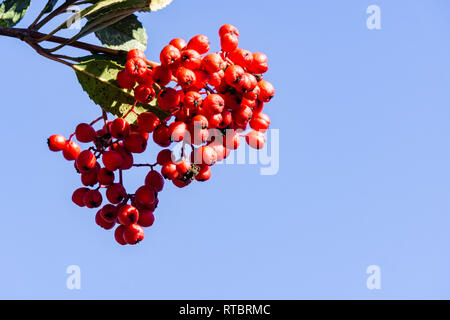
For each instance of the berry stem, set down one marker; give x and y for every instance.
(145, 165)
(96, 120)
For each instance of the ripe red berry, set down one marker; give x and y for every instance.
(164, 156)
(205, 155)
(216, 79)
(105, 177)
(145, 195)
(161, 136)
(183, 167)
(246, 83)
(112, 160)
(71, 150)
(162, 75)
(85, 133)
(233, 74)
(102, 222)
(259, 64)
(90, 177)
(127, 215)
(120, 128)
(227, 119)
(78, 196)
(136, 68)
(242, 115)
(232, 139)
(214, 120)
(146, 218)
(133, 234)
(155, 180)
(85, 161)
(115, 193)
(200, 121)
(135, 54)
(178, 43)
(255, 139)
(220, 150)
(169, 55)
(148, 121)
(169, 170)
(180, 183)
(177, 130)
(199, 43)
(146, 78)
(144, 93)
(168, 98)
(125, 80)
(242, 57)
(213, 103)
(260, 122)
(56, 142)
(127, 158)
(204, 173)
(228, 28)
(135, 142)
(213, 63)
(192, 100)
(185, 77)
(229, 42)
(109, 213)
(191, 59)
(200, 81)
(92, 199)
(118, 235)
(267, 91)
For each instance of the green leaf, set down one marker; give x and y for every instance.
(159, 4)
(49, 6)
(125, 34)
(98, 78)
(12, 11)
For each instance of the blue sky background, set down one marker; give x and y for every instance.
(364, 176)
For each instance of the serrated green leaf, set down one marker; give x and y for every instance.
(98, 78)
(12, 11)
(125, 34)
(49, 6)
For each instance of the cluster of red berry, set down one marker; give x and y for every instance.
(214, 98)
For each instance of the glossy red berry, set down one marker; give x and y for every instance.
(180, 183)
(118, 235)
(169, 170)
(133, 234)
(85, 133)
(213, 103)
(71, 150)
(255, 139)
(90, 177)
(242, 115)
(127, 215)
(259, 63)
(105, 177)
(136, 68)
(214, 120)
(148, 121)
(232, 139)
(164, 156)
(144, 93)
(260, 122)
(185, 77)
(169, 55)
(212, 63)
(56, 142)
(233, 74)
(135, 54)
(177, 130)
(146, 218)
(85, 161)
(127, 158)
(242, 57)
(178, 43)
(102, 222)
(125, 80)
(190, 59)
(78, 196)
(229, 42)
(267, 91)
(116, 193)
(192, 100)
(204, 174)
(162, 75)
(92, 199)
(145, 195)
(112, 160)
(155, 180)
(120, 128)
(169, 98)
(135, 142)
(109, 213)
(199, 43)
(228, 28)
(216, 79)
(205, 155)
(161, 136)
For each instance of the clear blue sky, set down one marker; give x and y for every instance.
(364, 120)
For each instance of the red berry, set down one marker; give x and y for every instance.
(136, 68)
(227, 119)
(212, 63)
(161, 136)
(135, 54)
(191, 59)
(204, 173)
(92, 199)
(242, 115)
(90, 178)
(229, 42)
(164, 156)
(260, 122)
(213, 103)
(216, 79)
(109, 213)
(127, 158)
(133, 234)
(220, 150)
(115, 193)
(186, 77)
(56, 142)
(169, 170)
(247, 83)
(85, 161)
(127, 215)
(144, 93)
(259, 64)
(168, 98)
(146, 218)
(169, 55)
(192, 100)
(228, 28)
(233, 74)
(78, 196)
(148, 121)
(135, 142)
(112, 160)
(255, 139)
(232, 139)
(267, 91)
(85, 133)
(177, 130)
(102, 222)
(205, 155)
(200, 121)
(242, 57)
(155, 180)
(105, 177)
(201, 80)
(180, 183)
(214, 120)
(120, 128)
(145, 196)
(178, 43)
(71, 150)
(125, 80)
(118, 235)
(199, 43)
(183, 167)
(162, 75)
